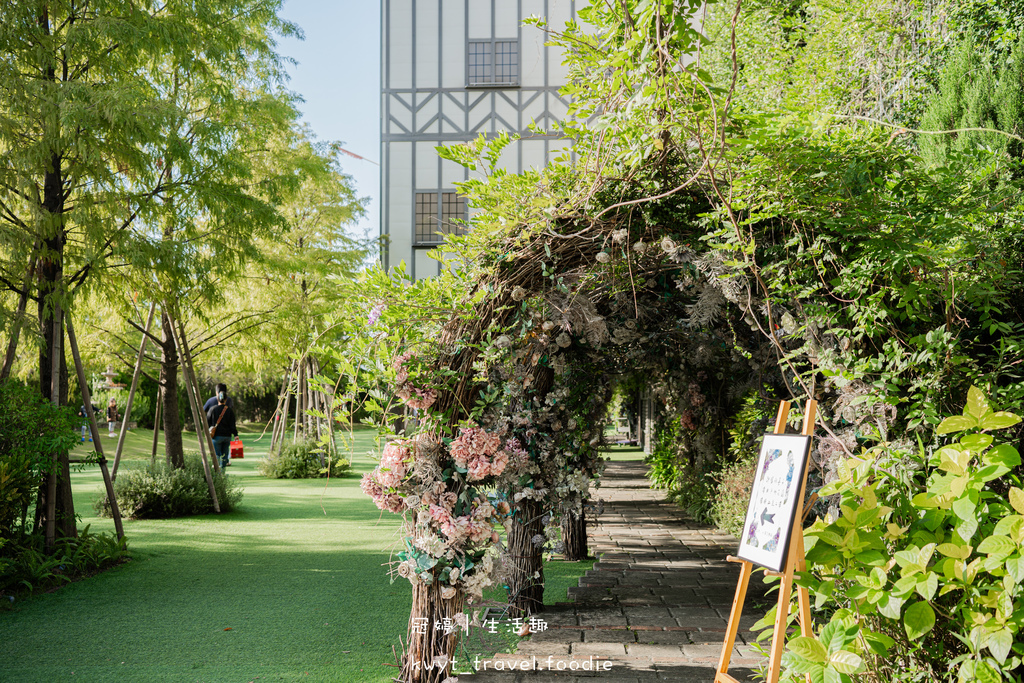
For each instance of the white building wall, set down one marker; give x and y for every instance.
(427, 101)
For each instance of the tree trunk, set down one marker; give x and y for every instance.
(574, 535)
(429, 651)
(525, 560)
(169, 382)
(50, 283)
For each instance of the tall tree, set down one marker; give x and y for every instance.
(95, 146)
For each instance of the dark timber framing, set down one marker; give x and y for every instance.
(420, 105)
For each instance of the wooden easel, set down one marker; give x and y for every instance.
(794, 563)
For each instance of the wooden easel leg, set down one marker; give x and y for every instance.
(734, 621)
(803, 596)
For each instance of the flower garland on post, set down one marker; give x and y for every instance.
(450, 550)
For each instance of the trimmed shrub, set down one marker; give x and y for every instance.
(162, 492)
(300, 460)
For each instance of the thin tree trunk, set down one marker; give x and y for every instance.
(156, 426)
(173, 447)
(525, 561)
(188, 371)
(574, 535)
(429, 651)
(51, 479)
(94, 428)
(276, 432)
(193, 396)
(131, 392)
(287, 407)
(298, 401)
(19, 320)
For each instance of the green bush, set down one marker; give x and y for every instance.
(734, 481)
(32, 431)
(25, 567)
(732, 494)
(162, 492)
(301, 460)
(923, 572)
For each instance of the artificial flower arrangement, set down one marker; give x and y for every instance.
(452, 522)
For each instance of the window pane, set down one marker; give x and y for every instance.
(506, 61)
(479, 62)
(426, 218)
(453, 206)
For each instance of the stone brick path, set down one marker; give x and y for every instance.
(654, 608)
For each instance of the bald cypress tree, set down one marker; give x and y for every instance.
(96, 151)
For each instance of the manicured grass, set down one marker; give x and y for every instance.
(624, 453)
(287, 587)
(295, 575)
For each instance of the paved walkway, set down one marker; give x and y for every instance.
(655, 606)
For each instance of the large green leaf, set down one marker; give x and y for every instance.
(977, 404)
(1017, 499)
(918, 620)
(956, 423)
(1003, 454)
(996, 545)
(984, 673)
(999, 420)
(809, 648)
(956, 550)
(845, 662)
(976, 442)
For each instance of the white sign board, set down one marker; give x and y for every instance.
(781, 468)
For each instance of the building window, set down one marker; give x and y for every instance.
(492, 62)
(436, 216)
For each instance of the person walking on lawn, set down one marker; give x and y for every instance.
(221, 419)
(112, 416)
(212, 401)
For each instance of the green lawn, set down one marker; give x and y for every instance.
(290, 586)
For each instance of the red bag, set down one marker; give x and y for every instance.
(236, 449)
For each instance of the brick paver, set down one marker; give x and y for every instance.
(654, 607)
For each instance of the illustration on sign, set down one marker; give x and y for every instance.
(773, 500)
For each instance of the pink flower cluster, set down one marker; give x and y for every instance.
(421, 399)
(479, 452)
(475, 527)
(518, 457)
(382, 482)
(399, 366)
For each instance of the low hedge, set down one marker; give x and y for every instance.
(162, 492)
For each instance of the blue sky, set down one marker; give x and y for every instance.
(338, 76)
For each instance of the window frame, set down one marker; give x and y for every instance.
(442, 220)
(490, 80)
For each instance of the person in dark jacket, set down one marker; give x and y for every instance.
(222, 418)
(212, 401)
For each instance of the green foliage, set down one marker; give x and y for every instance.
(831, 656)
(32, 432)
(301, 460)
(670, 468)
(162, 492)
(25, 567)
(736, 477)
(976, 90)
(863, 57)
(923, 537)
(731, 494)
